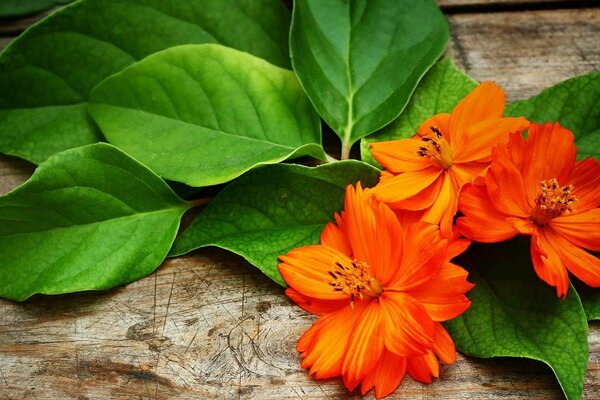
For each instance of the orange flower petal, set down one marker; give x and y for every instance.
(482, 222)
(550, 153)
(439, 121)
(444, 208)
(579, 262)
(585, 178)
(306, 270)
(425, 254)
(481, 137)
(399, 155)
(516, 149)
(422, 368)
(422, 200)
(505, 186)
(467, 172)
(316, 306)
(333, 235)
(443, 294)
(522, 225)
(582, 229)
(444, 346)
(408, 328)
(408, 217)
(325, 345)
(373, 232)
(386, 377)
(547, 263)
(406, 185)
(486, 101)
(364, 347)
(457, 247)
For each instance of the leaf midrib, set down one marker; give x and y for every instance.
(215, 131)
(74, 226)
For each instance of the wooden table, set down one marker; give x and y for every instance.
(208, 325)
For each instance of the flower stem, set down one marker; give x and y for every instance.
(199, 202)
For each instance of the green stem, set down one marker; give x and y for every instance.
(345, 151)
(330, 159)
(199, 202)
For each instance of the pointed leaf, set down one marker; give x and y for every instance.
(575, 103)
(359, 60)
(89, 218)
(273, 209)
(588, 145)
(514, 313)
(204, 123)
(590, 298)
(438, 92)
(47, 73)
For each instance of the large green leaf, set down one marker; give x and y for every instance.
(588, 145)
(204, 123)
(360, 60)
(575, 103)
(47, 73)
(590, 298)
(14, 8)
(273, 209)
(89, 218)
(438, 92)
(513, 313)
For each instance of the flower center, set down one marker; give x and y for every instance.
(552, 201)
(437, 149)
(355, 280)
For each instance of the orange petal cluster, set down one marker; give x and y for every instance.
(425, 173)
(535, 187)
(381, 290)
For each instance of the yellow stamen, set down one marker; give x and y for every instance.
(552, 201)
(437, 149)
(355, 280)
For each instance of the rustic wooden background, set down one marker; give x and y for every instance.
(208, 325)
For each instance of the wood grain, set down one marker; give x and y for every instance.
(482, 4)
(526, 52)
(208, 325)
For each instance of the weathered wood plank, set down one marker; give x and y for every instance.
(4, 42)
(515, 3)
(208, 325)
(526, 52)
(13, 172)
(13, 26)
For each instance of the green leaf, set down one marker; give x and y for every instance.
(273, 209)
(590, 298)
(359, 60)
(47, 73)
(205, 123)
(575, 103)
(514, 313)
(439, 91)
(15, 8)
(588, 145)
(89, 218)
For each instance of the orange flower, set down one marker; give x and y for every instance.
(535, 187)
(427, 171)
(381, 290)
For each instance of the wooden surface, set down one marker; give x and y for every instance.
(208, 325)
